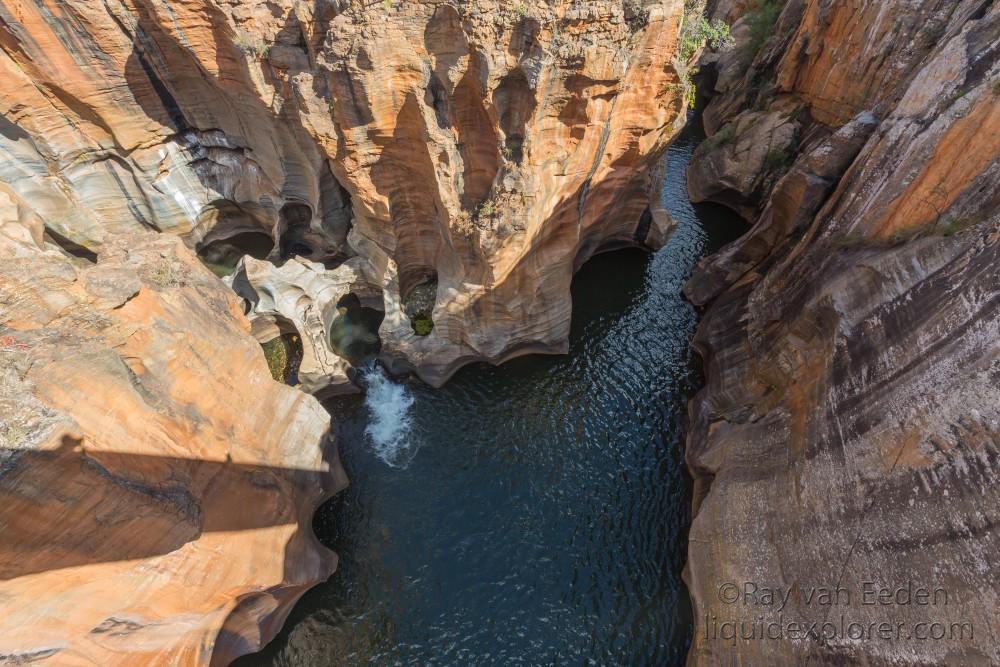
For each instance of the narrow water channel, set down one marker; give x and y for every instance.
(530, 514)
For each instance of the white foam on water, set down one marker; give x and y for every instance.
(390, 421)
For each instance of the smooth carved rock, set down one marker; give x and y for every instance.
(487, 148)
(493, 153)
(157, 485)
(796, 199)
(740, 161)
(303, 297)
(849, 432)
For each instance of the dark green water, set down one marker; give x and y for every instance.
(538, 512)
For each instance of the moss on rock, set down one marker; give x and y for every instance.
(422, 324)
(276, 353)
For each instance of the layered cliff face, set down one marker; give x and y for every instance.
(446, 165)
(158, 486)
(849, 431)
(472, 154)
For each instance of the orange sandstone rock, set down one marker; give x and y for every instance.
(848, 432)
(486, 149)
(157, 485)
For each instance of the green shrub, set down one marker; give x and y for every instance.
(699, 31)
(13, 436)
(422, 324)
(723, 137)
(955, 225)
(251, 45)
(930, 35)
(996, 87)
(163, 273)
(780, 160)
(762, 18)
(696, 32)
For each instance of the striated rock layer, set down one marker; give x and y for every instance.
(157, 485)
(849, 433)
(483, 150)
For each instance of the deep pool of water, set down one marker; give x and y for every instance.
(535, 513)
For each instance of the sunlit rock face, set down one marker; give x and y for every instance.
(306, 299)
(157, 485)
(493, 153)
(850, 426)
(489, 149)
(453, 160)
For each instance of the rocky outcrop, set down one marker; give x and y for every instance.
(485, 148)
(737, 164)
(492, 151)
(796, 199)
(450, 163)
(304, 297)
(158, 486)
(850, 427)
(816, 64)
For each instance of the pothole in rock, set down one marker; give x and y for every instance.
(419, 307)
(222, 256)
(354, 332)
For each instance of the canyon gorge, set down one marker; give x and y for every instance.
(448, 164)
(418, 182)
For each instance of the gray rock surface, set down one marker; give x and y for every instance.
(848, 436)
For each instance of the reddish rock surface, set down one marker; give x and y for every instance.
(158, 485)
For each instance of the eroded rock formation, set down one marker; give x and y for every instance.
(157, 485)
(486, 148)
(304, 297)
(849, 433)
(455, 161)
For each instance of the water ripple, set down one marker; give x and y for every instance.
(537, 513)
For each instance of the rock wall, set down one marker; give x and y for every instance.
(849, 433)
(486, 149)
(157, 485)
(461, 158)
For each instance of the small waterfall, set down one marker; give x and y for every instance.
(388, 429)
